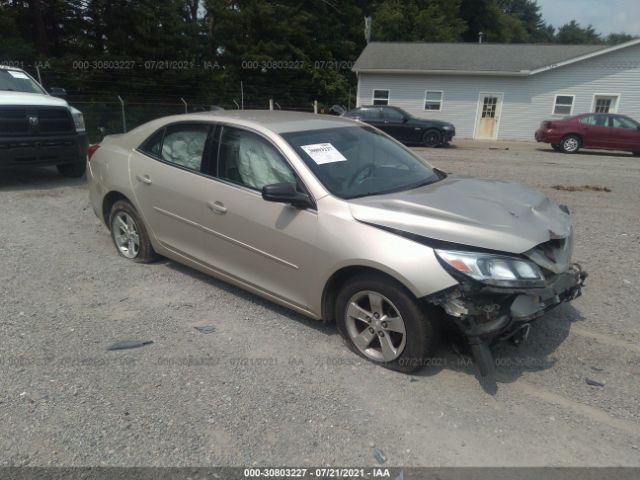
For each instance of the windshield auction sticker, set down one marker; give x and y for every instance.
(15, 74)
(322, 153)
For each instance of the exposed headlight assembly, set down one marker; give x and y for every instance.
(447, 127)
(491, 269)
(78, 120)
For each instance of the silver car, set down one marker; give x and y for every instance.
(338, 221)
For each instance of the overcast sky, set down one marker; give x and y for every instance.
(606, 16)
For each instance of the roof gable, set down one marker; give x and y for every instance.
(475, 58)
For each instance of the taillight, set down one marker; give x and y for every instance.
(92, 149)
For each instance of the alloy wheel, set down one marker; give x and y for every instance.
(571, 144)
(375, 326)
(125, 234)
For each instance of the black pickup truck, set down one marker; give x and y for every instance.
(37, 129)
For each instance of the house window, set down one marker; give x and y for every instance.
(381, 97)
(605, 103)
(433, 100)
(563, 104)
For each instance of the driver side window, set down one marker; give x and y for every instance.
(249, 160)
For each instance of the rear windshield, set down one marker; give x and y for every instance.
(360, 161)
(17, 81)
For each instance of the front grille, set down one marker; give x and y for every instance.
(13, 121)
(20, 121)
(55, 120)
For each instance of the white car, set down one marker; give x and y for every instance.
(38, 129)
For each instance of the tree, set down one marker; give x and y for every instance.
(418, 20)
(616, 38)
(573, 33)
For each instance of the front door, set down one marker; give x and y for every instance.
(489, 108)
(268, 245)
(626, 133)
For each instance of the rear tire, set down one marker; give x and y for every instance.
(365, 296)
(570, 144)
(129, 233)
(432, 138)
(72, 170)
(556, 147)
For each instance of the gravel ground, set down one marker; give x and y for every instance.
(269, 387)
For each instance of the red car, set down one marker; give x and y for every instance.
(591, 130)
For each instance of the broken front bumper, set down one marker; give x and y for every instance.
(486, 314)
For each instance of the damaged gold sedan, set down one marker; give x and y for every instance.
(338, 221)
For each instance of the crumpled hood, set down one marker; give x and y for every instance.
(477, 212)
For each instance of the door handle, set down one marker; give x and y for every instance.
(146, 180)
(217, 207)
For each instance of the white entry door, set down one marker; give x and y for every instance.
(488, 116)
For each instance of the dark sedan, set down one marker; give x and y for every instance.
(591, 130)
(403, 126)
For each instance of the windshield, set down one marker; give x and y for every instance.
(358, 161)
(17, 81)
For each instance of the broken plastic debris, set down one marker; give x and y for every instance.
(593, 383)
(124, 344)
(206, 328)
(379, 456)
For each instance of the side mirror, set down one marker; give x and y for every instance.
(58, 92)
(286, 193)
(405, 119)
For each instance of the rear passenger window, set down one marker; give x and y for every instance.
(183, 145)
(154, 144)
(595, 120)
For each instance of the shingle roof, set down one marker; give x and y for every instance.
(467, 57)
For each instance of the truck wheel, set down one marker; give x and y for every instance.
(431, 138)
(570, 144)
(72, 170)
(384, 323)
(129, 233)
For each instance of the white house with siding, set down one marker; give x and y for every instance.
(500, 91)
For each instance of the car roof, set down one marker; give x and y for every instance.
(378, 106)
(7, 67)
(277, 121)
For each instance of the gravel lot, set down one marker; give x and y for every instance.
(270, 387)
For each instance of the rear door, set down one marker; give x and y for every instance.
(373, 116)
(394, 125)
(268, 245)
(595, 131)
(170, 187)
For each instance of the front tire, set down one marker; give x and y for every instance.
(570, 144)
(72, 170)
(556, 147)
(129, 233)
(383, 322)
(432, 138)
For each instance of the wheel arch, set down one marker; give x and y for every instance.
(107, 203)
(573, 134)
(340, 277)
